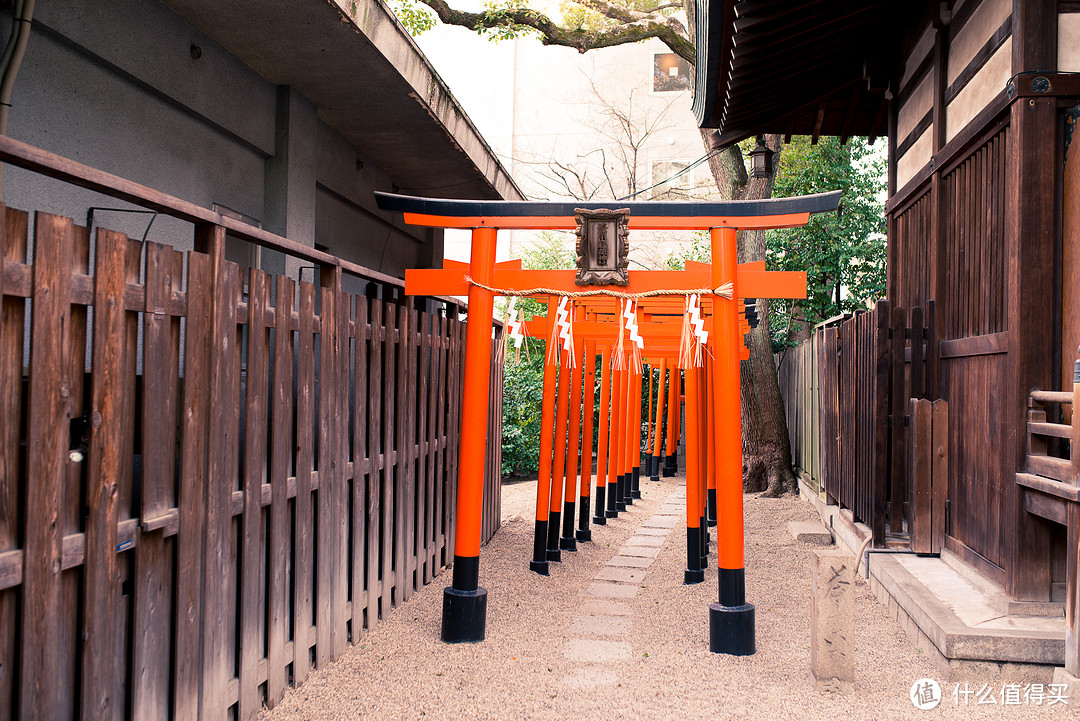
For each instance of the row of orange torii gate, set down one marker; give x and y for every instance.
(677, 320)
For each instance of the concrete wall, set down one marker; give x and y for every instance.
(132, 88)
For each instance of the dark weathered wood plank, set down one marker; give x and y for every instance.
(324, 544)
(194, 424)
(46, 456)
(426, 452)
(303, 554)
(453, 431)
(279, 532)
(361, 471)
(221, 479)
(939, 472)
(101, 685)
(898, 410)
(441, 454)
(151, 645)
(375, 584)
(920, 468)
(390, 587)
(252, 543)
(12, 251)
(339, 584)
(402, 456)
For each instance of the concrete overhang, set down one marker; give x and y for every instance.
(368, 80)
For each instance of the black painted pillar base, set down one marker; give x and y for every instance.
(731, 622)
(584, 535)
(583, 519)
(694, 571)
(731, 629)
(464, 604)
(601, 498)
(710, 507)
(568, 542)
(704, 543)
(464, 615)
(620, 492)
(554, 553)
(635, 491)
(539, 563)
(628, 487)
(654, 469)
(670, 466)
(612, 514)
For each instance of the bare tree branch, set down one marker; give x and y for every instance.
(632, 26)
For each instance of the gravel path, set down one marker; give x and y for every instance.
(614, 634)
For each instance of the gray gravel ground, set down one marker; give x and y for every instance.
(553, 651)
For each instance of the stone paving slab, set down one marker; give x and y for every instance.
(810, 532)
(630, 562)
(605, 607)
(640, 551)
(621, 575)
(611, 590)
(584, 649)
(662, 532)
(637, 540)
(590, 677)
(600, 625)
(661, 522)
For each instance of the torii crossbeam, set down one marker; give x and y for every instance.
(465, 602)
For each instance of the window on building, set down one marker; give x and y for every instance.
(676, 180)
(670, 73)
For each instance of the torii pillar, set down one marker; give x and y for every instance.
(464, 602)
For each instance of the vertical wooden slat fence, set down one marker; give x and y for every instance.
(211, 479)
(846, 390)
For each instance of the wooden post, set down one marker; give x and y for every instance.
(674, 391)
(710, 434)
(465, 603)
(615, 485)
(731, 621)
(638, 378)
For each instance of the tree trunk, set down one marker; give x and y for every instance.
(766, 448)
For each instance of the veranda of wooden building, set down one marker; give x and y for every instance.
(228, 439)
(977, 100)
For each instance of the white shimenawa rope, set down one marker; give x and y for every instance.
(724, 291)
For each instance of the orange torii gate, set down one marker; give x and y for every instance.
(731, 620)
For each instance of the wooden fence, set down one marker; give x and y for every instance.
(210, 481)
(847, 392)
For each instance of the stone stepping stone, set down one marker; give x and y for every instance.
(648, 531)
(662, 522)
(621, 575)
(640, 551)
(595, 650)
(600, 625)
(611, 590)
(598, 607)
(590, 677)
(637, 540)
(630, 562)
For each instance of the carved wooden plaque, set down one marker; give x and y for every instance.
(602, 247)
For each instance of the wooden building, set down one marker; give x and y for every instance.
(978, 100)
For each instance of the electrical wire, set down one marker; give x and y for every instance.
(682, 172)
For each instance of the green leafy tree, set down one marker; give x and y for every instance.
(523, 376)
(843, 253)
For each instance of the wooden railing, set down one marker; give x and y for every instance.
(211, 480)
(1051, 490)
